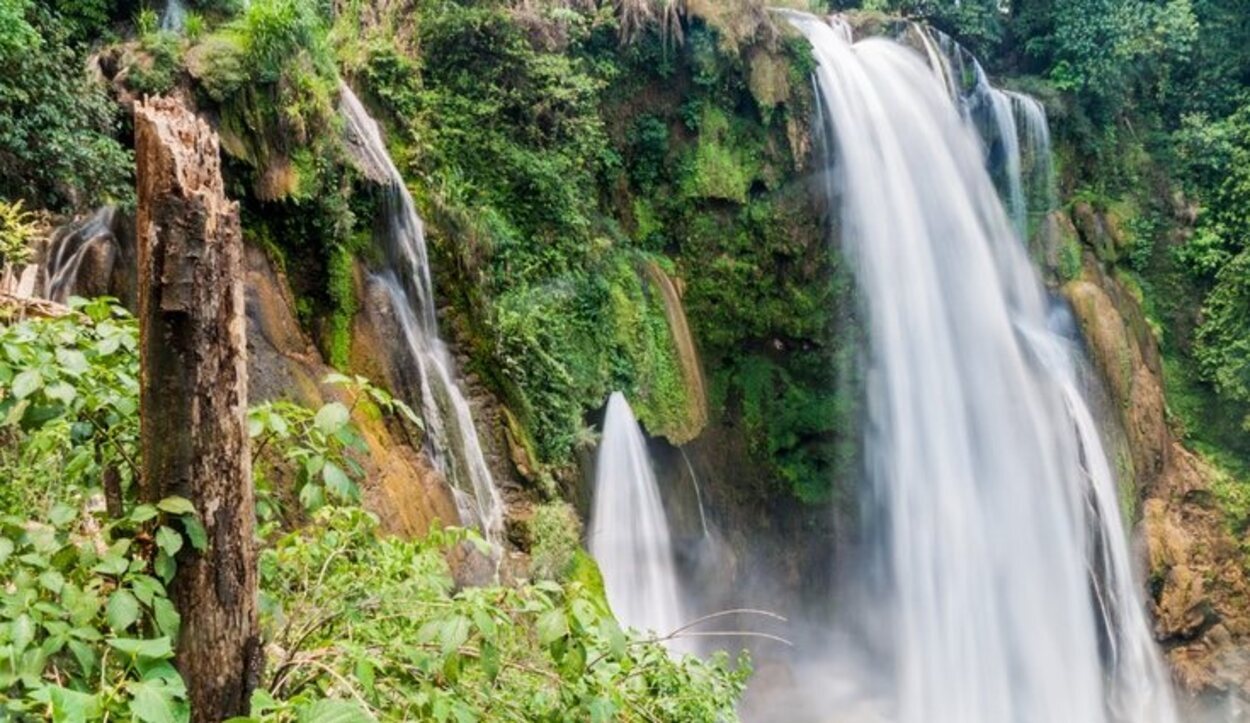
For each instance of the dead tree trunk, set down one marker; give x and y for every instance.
(193, 396)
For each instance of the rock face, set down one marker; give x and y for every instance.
(1200, 595)
(193, 398)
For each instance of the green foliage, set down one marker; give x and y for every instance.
(57, 126)
(156, 69)
(401, 643)
(86, 625)
(721, 169)
(18, 231)
(272, 73)
(314, 449)
(85, 621)
(556, 535)
(1223, 342)
(69, 404)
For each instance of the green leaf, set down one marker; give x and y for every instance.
(142, 513)
(62, 392)
(168, 540)
(21, 632)
(337, 481)
(167, 617)
(71, 706)
(27, 383)
(152, 703)
(6, 549)
(176, 506)
(454, 632)
(154, 649)
(52, 581)
(122, 610)
(164, 566)
(196, 534)
(331, 710)
(330, 417)
(552, 626)
(61, 515)
(312, 497)
(485, 625)
(490, 661)
(602, 710)
(72, 362)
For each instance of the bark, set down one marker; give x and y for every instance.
(193, 395)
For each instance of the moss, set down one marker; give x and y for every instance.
(342, 291)
(1069, 259)
(585, 571)
(721, 169)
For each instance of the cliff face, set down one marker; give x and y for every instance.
(1199, 591)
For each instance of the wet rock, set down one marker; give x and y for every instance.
(400, 486)
(1198, 583)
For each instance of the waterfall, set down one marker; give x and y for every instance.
(454, 443)
(629, 535)
(1002, 577)
(67, 248)
(174, 17)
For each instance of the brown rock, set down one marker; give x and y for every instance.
(1199, 584)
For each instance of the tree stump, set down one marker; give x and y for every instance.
(193, 397)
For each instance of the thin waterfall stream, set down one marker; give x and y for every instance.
(406, 280)
(1002, 587)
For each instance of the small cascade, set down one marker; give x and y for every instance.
(174, 17)
(997, 576)
(68, 247)
(1012, 126)
(629, 535)
(454, 443)
(698, 494)
(1036, 162)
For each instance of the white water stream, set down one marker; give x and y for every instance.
(456, 448)
(629, 534)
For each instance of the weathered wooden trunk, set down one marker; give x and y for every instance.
(193, 395)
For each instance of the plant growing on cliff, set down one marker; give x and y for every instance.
(18, 231)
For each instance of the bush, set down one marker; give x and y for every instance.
(401, 643)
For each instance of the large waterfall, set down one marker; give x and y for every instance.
(455, 445)
(1002, 587)
(629, 535)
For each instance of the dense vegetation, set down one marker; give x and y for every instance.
(86, 623)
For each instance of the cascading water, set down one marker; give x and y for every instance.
(67, 248)
(457, 451)
(1012, 125)
(1003, 570)
(1039, 170)
(629, 535)
(174, 17)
